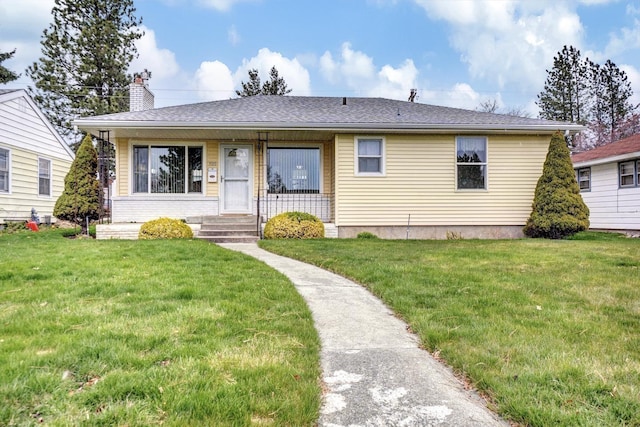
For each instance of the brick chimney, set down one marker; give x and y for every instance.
(140, 97)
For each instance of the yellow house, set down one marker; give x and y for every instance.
(397, 169)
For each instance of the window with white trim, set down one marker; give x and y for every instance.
(471, 163)
(5, 166)
(584, 178)
(167, 169)
(369, 156)
(44, 177)
(628, 173)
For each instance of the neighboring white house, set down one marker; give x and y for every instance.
(34, 159)
(609, 179)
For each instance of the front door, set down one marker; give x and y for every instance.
(236, 177)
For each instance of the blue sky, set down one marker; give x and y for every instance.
(455, 52)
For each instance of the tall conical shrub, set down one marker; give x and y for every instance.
(81, 196)
(558, 210)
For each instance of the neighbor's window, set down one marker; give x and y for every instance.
(471, 162)
(167, 169)
(584, 179)
(293, 170)
(44, 177)
(4, 170)
(369, 156)
(627, 174)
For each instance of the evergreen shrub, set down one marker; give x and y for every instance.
(558, 210)
(165, 228)
(294, 225)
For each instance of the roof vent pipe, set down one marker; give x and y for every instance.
(344, 100)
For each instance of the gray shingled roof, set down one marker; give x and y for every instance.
(324, 112)
(3, 91)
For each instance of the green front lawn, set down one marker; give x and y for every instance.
(149, 333)
(549, 331)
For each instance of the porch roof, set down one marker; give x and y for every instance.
(315, 117)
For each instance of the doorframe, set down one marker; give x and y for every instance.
(250, 182)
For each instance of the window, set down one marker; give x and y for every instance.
(44, 177)
(369, 156)
(4, 170)
(293, 170)
(627, 174)
(471, 162)
(167, 169)
(584, 179)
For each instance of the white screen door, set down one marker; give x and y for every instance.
(236, 179)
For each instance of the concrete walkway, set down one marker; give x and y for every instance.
(374, 371)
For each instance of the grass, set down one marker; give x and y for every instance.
(548, 330)
(150, 332)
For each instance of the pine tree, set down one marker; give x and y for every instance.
(611, 101)
(252, 87)
(86, 52)
(7, 75)
(275, 86)
(80, 199)
(558, 210)
(565, 91)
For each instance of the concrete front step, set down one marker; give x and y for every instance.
(236, 232)
(229, 229)
(230, 239)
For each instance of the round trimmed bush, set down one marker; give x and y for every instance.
(165, 228)
(294, 225)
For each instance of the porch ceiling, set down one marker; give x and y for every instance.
(239, 135)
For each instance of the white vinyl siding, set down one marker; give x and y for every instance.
(420, 181)
(610, 205)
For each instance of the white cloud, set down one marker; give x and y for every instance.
(214, 81)
(292, 71)
(633, 75)
(22, 25)
(357, 70)
(221, 5)
(627, 39)
(166, 75)
(509, 43)
(161, 62)
(233, 36)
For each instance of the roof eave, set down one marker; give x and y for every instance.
(609, 159)
(350, 127)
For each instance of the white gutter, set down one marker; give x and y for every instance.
(355, 127)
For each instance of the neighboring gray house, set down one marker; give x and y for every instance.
(34, 159)
(391, 167)
(609, 180)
